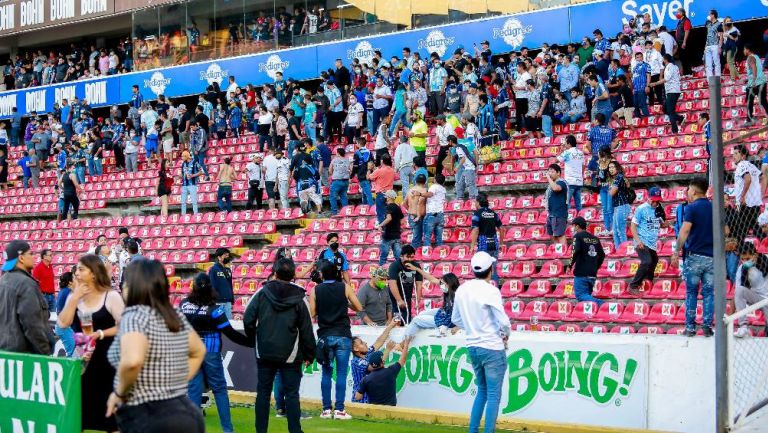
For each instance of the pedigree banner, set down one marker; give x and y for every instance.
(39, 394)
(604, 384)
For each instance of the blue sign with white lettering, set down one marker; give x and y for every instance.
(505, 33)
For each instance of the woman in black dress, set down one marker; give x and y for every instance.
(164, 187)
(94, 308)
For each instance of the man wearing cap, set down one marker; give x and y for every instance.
(479, 311)
(374, 297)
(190, 172)
(23, 311)
(648, 219)
(588, 256)
(221, 279)
(484, 51)
(380, 385)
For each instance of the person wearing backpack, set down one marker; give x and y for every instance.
(360, 162)
(621, 195)
(277, 320)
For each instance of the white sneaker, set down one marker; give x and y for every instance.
(327, 414)
(340, 414)
(742, 332)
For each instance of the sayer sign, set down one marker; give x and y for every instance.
(39, 394)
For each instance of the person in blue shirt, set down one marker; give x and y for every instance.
(485, 121)
(15, 126)
(649, 218)
(136, 97)
(641, 77)
(420, 165)
(221, 279)
(66, 118)
(360, 351)
(26, 170)
(500, 106)
(696, 239)
(235, 118)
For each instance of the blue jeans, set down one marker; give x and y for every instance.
(369, 121)
(607, 201)
(620, 215)
(381, 207)
(406, 179)
(14, 136)
(200, 157)
(433, 224)
(365, 190)
(338, 193)
(418, 231)
(89, 164)
(386, 246)
(98, 168)
(546, 125)
(212, 373)
(311, 133)
(582, 288)
(501, 120)
(291, 147)
(698, 269)
(399, 116)
(641, 103)
(67, 337)
(574, 191)
(191, 192)
(50, 299)
(566, 119)
(224, 198)
(339, 350)
(80, 173)
(490, 366)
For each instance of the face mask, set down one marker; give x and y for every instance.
(227, 260)
(380, 285)
(748, 264)
(678, 15)
(443, 287)
(334, 246)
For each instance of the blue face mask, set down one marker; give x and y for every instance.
(748, 264)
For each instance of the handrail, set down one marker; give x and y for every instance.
(739, 314)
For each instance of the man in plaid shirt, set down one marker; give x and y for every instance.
(641, 77)
(361, 350)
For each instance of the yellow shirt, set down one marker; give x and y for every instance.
(419, 144)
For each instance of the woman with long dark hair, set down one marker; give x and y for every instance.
(164, 186)
(751, 283)
(156, 354)
(436, 317)
(94, 309)
(209, 321)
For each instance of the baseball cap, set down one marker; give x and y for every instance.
(391, 194)
(485, 43)
(13, 250)
(580, 222)
(375, 358)
(597, 52)
(380, 273)
(654, 193)
(763, 218)
(257, 155)
(481, 261)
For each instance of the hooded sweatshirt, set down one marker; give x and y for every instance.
(278, 318)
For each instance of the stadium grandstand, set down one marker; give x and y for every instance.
(601, 166)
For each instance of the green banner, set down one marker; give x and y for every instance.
(39, 394)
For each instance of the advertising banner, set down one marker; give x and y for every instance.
(23, 15)
(600, 383)
(39, 394)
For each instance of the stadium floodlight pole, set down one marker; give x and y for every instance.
(717, 169)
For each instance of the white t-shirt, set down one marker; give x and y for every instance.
(668, 41)
(672, 78)
(265, 119)
(381, 102)
(436, 203)
(254, 171)
(381, 142)
(753, 197)
(270, 168)
(353, 115)
(478, 310)
(467, 163)
(521, 83)
(573, 159)
(283, 169)
(443, 131)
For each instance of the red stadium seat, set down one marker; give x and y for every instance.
(650, 330)
(609, 312)
(537, 288)
(569, 328)
(512, 288)
(596, 329)
(583, 312)
(514, 309)
(662, 289)
(536, 309)
(551, 269)
(564, 289)
(660, 313)
(634, 312)
(622, 329)
(559, 311)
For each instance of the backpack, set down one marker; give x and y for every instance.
(338, 261)
(631, 193)
(470, 155)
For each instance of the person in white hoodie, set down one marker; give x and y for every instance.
(751, 283)
(478, 310)
(403, 163)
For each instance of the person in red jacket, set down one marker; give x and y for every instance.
(43, 273)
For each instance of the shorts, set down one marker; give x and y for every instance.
(310, 194)
(184, 137)
(168, 146)
(556, 226)
(151, 149)
(271, 192)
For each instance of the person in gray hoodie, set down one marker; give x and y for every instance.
(277, 320)
(23, 310)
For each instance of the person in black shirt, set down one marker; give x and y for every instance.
(404, 282)
(210, 321)
(329, 302)
(588, 256)
(202, 120)
(342, 77)
(380, 385)
(391, 229)
(486, 230)
(221, 278)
